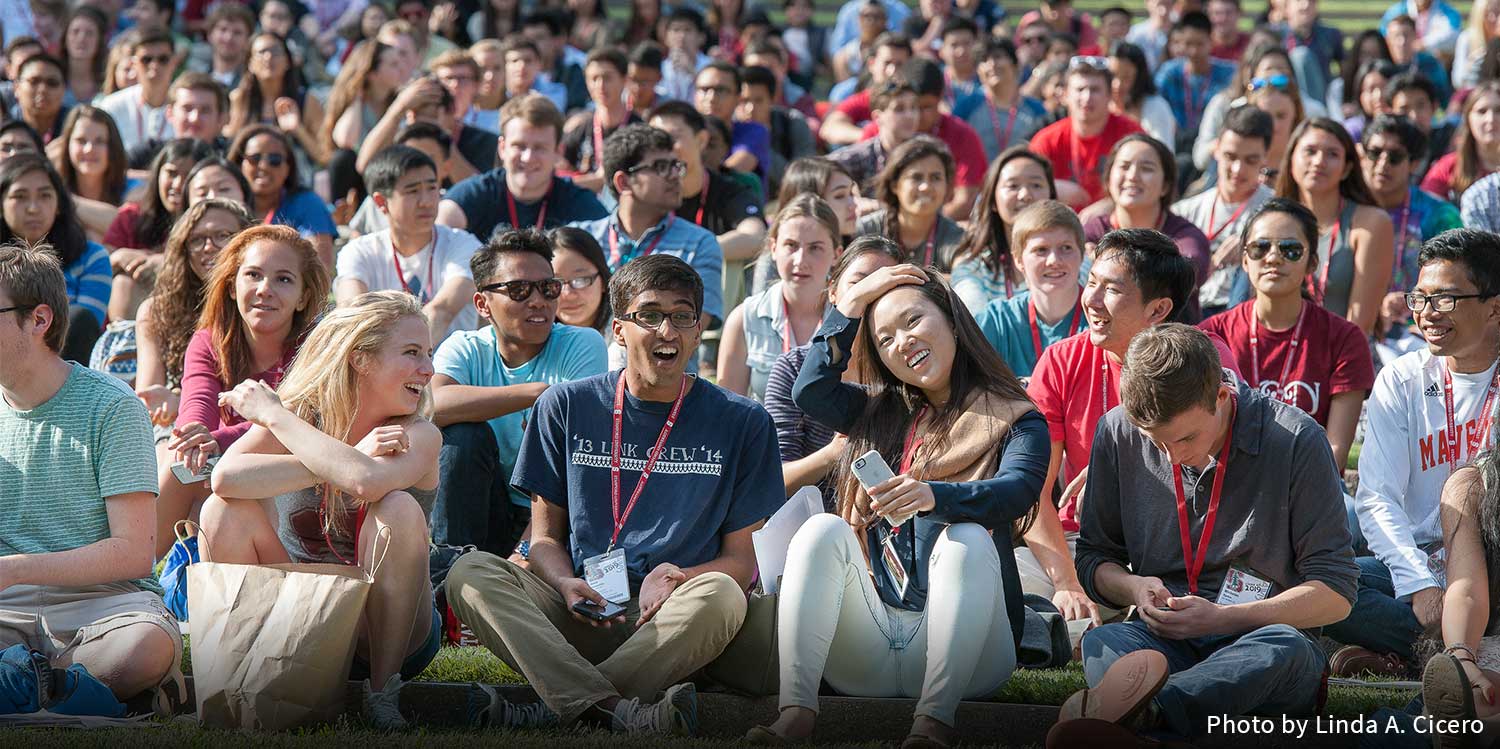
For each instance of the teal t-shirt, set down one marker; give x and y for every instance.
(1007, 326)
(60, 462)
(470, 358)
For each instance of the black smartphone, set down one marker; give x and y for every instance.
(599, 613)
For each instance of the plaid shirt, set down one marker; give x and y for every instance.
(864, 160)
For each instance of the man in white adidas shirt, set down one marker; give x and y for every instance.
(414, 255)
(1430, 412)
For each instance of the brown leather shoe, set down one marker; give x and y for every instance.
(1352, 661)
(1124, 692)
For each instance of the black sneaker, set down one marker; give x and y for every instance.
(487, 709)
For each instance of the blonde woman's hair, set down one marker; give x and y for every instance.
(322, 384)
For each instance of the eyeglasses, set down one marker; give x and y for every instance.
(582, 282)
(272, 160)
(651, 319)
(218, 239)
(1290, 250)
(1088, 62)
(1440, 302)
(520, 291)
(1277, 81)
(716, 90)
(1393, 156)
(667, 168)
(154, 59)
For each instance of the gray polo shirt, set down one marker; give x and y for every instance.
(1281, 514)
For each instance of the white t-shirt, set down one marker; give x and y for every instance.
(1406, 458)
(137, 122)
(371, 260)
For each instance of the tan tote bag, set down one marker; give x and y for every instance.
(272, 644)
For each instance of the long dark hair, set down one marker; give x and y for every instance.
(1483, 502)
(241, 142)
(156, 219)
(583, 243)
(906, 154)
(1163, 154)
(1307, 223)
(177, 300)
(893, 403)
(101, 53)
(66, 235)
(1469, 167)
(114, 173)
(1351, 187)
(1354, 72)
(1143, 86)
(987, 239)
(1384, 68)
(216, 160)
(249, 91)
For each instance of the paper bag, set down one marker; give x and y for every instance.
(272, 644)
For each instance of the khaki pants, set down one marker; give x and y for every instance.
(574, 665)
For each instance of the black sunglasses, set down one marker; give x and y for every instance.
(520, 291)
(158, 59)
(272, 160)
(1393, 156)
(1290, 250)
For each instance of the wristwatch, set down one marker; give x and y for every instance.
(524, 548)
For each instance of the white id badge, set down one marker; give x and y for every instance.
(893, 564)
(605, 573)
(1437, 564)
(1242, 586)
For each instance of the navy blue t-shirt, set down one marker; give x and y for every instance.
(720, 473)
(482, 197)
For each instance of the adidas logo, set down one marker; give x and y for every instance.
(1432, 390)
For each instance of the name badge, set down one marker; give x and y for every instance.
(605, 573)
(1242, 586)
(893, 566)
(1437, 564)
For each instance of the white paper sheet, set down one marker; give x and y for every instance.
(771, 541)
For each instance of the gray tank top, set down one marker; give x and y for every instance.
(299, 525)
(1339, 261)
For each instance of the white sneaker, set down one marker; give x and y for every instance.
(675, 713)
(487, 708)
(383, 707)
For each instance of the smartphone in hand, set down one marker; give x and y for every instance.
(599, 613)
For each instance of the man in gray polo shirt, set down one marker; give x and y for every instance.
(1219, 514)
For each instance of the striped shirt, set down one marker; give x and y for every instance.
(60, 461)
(797, 434)
(89, 281)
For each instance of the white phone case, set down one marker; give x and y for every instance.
(872, 471)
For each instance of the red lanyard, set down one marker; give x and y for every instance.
(1286, 366)
(1075, 146)
(1193, 112)
(597, 157)
(614, 241)
(931, 238)
(1396, 276)
(702, 199)
(1194, 562)
(1328, 257)
(1214, 208)
(910, 446)
(431, 261)
(614, 455)
(1010, 124)
(541, 214)
(1074, 325)
(1455, 434)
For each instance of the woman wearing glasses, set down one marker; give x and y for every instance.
(912, 188)
(1288, 346)
(139, 229)
(264, 154)
(579, 262)
(1321, 171)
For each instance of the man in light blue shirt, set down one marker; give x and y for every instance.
(846, 25)
(486, 381)
(647, 179)
(1188, 82)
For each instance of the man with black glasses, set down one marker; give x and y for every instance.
(646, 177)
(625, 596)
(1431, 412)
(485, 382)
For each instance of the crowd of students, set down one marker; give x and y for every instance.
(312, 274)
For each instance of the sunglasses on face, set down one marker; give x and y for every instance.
(1277, 81)
(663, 167)
(520, 291)
(1392, 156)
(272, 160)
(154, 59)
(651, 319)
(1088, 62)
(1290, 250)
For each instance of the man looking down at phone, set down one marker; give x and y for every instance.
(1227, 583)
(646, 485)
(936, 560)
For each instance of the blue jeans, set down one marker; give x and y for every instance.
(1273, 670)
(473, 498)
(1379, 620)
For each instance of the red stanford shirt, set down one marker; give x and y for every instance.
(1081, 159)
(1332, 358)
(1074, 384)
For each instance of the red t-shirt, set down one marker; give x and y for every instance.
(969, 159)
(1439, 179)
(1081, 159)
(1074, 384)
(121, 231)
(1333, 356)
(857, 107)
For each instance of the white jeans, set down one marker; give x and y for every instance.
(832, 625)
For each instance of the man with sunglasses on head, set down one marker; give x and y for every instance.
(646, 177)
(485, 382)
(413, 254)
(646, 485)
(1078, 144)
(1431, 412)
(140, 111)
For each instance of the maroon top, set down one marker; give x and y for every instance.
(201, 388)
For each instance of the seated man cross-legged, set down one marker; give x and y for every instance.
(646, 485)
(1228, 584)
